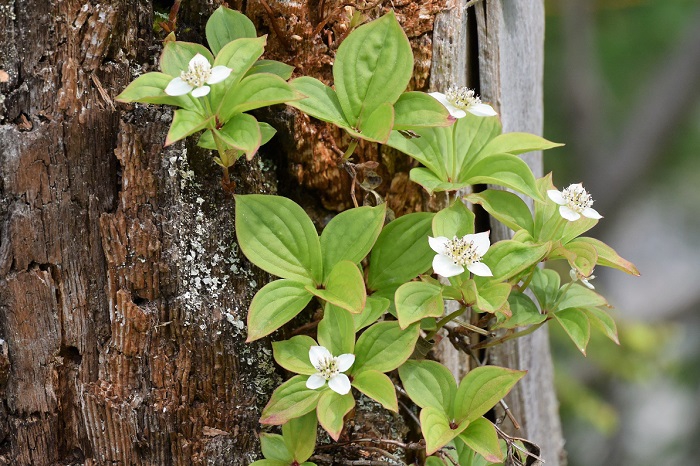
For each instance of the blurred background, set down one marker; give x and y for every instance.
(622, 90)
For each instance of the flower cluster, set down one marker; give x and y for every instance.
(453, 255)
(574, 201)
(199, 73)
(459, 100)
(330, 369)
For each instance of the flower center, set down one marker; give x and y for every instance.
(576, 197)
(197, 74)
(328, 367)
(462, 97)
(462, 252)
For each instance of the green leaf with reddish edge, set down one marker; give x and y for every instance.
(416, 300)
(343, 287)
(523, 312)
(481, 436)
(282, 70)
(293, 354)
(470, 135)
(517, 143)
(373, 66)
(274, 305)
(455, 220)
(377, 125)
(255, 91)
(238, 55)
(603, 322)
(375, 306)
(544, 211)
(401, 252)
(580, 296)
(377, 386)
(481, 389)
(436, 429)
(226, 25)
(149, 88)
(186, 122)
(274, 448)
(300, 436)
(206, 140)
(276, 235)
(267, 462)
(575, 229)
(350, 235)
(336, 331)
(503, 170)
(576, 324)
(431, 183)
(579, 255)
(242, 132)
(505, 207)
(384, 347)
(321, 101)
(492, 298)
(545, 285)
(428, 384)
(418, 109)
(509, 258)
(291, 399)
(468, 457)
(607, 257)
(431, 148)
(331, 410)
(176, 56)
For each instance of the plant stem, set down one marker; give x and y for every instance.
(526, 283)
(441, 323)
(561, 295)
(351, 149)
(222, 156)
(511, 336)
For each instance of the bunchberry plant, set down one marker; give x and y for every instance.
(383, 307)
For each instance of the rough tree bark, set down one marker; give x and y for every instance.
(122, 292)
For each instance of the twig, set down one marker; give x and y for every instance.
(511, 441)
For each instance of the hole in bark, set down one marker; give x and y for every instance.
(162, 5)
(482, 222)
(139, 301)
(71, 354)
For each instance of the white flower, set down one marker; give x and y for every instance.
(453, 255)
(574, 202)
(460, 100)
(199, 72)
(576, 276)
(329, 369)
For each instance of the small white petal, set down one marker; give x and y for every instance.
(454, 111)
(317, 354)
(218, 74)
(556, 196)
(591, 213)
(438, 244)
(482, 110)
(345, 361)
(200, 60)
(480, 269)
(315, 381)
(340, 384)
(177, 87)
(481, 241)
(569, 214)
(445, 267)
(201, 91)
(588, 284)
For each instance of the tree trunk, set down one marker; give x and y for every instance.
(123, 295)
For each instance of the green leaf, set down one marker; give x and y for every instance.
(206, 140)
(436, 429)
(481, 389)
(344, 287)
(505, 207)
(576, 324)
(428, 384)
(517, 143)
(274, 305)
(503, 170)
(481, 436)
(293, 354)
(377, 125)
(242, 132)
(416, 300)
(149, 89)
(282, 70)
(321, 101)
(377, 386)
(331, 410)
(375, 306)
(402, 251)
(373, 66)
(607, 256)
(434, 461)
(226, 25)
(470, 135)
(255, 91)
(276, 235)
(417, 109)
(455, 220)
(300, 436)
(176, 56)
(581, 256)
(239, 55)
(580, 296)
(336, 331)
(432, 148)
(524, 312)
(350, 235)
(603, 322)
(384, 347)
(186, 122)
(545, 285)
(431, 183)
(492, 298)
(509, 258)
(267, 462)
(274, 448)
(291, 399)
